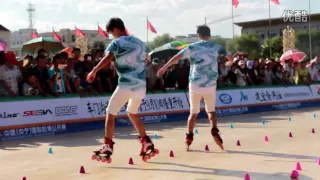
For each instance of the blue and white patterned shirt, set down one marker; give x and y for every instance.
(129, 53)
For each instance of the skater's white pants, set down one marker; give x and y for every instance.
(209, 99)
(121, 96)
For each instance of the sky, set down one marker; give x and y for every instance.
(176, 17)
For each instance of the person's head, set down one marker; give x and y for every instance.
(233, 67)
(76, 52)
(93, 53)
(262, 62)
(156, 63)
(42, 52)
(255, 63)
(64, 56)
(10, 59)
(41, 61)
(116, 27)
(56, 60)
(303, 64)
(203, 32)
(280, 68)
(296, 65)
(290, 62)
(242, 64)
(269, 64)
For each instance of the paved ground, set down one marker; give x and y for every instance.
(273, 160)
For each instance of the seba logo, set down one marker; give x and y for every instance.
(37, 112)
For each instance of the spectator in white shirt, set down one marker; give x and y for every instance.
(313, 70)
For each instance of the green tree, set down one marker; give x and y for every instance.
(99, 45)
(219, 40)
(302, 41)
(160, 40)
(276, 47)
(247, 42)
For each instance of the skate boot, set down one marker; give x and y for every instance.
(147, 149)
(104, 154)
(189, 139)
(217, 138)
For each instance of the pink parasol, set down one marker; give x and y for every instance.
(294, 54)
(3, 46)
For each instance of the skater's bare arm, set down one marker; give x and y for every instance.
(174, 60)
(105, 61)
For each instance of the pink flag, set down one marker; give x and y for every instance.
(151, 28)
(34, 35)
(80, 33)
(56, 36)
(235, 3)
(276, 2)
(101, 32)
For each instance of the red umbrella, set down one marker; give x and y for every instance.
(294, 54)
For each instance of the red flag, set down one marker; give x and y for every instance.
(235, 3)
(101, 32)
(276, 2)
(56, 36)
(80, 33)
(34, 35)
(150, 27)
(127, 31)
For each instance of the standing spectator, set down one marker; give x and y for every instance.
(30, 87)
(248, 71)
(255, 74)
(40, 71)
(313, 70)
(10, 75)
(232, 77)
(60, 81)
(268, 73)
(72, 78)
(289, 72)
(171, 78)
(153, 81)
(241, 74)
(279, 75)
(303, 74)
(43, 52)
(223, 73)
(183, 69)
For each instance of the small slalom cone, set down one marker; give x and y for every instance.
(313, 131)
(266, 139)
(231, 126)
(82, 171)
(314, 115)
(24, 178)
(247, 177)
(156, 136)
(289, 119)
(206, 148)
(263, 122)
(196, 131)
(294, 174)
(171, 154)
(298, 166)
(238, 143)
(290, 134)
(131, 161)
(50, 151)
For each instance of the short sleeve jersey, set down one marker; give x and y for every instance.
(129, 53)
(203, 56)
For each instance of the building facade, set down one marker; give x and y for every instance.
(277, 25)
(67, 35)
(5, 34)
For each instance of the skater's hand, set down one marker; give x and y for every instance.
(91, 76)
(162, 71)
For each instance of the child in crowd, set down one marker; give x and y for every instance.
(30, 87)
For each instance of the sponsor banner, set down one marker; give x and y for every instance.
(38, 111)
(153, 103)
(239, 97)
(33, 131)
(315, 90)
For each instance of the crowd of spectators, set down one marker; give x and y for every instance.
(62, 74)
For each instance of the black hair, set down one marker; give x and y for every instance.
(42, 51)
(115, 23)
(75, 49)
(40, 57)
(64, 55)
(204, 31)
(54, 59)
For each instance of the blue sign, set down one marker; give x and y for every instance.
(243, 96)
(225, 98)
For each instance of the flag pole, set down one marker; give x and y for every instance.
(269, 34)
(232, 20)
(310, 40)
(147, 32)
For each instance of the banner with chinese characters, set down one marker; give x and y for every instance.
(152, 103)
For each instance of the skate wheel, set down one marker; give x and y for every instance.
(93, 157)
(103, 160)
(109, 160)
(152, 154)
(144, 158)
(98, 158)
(156, 151)
(148, 157)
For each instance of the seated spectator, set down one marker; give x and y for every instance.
(72, 78)
(255, 73)
(223, 73)
(40, 71)
(10, 75)
(30, 87)
(289, 71)
(153, 81)
(171, 78)
(58, 77)
(241, 74)
(279, 75)
(183, 69)
(268, 73)
(313, 70)
(248, 70)
(232, 77)
(303, 75)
